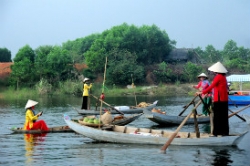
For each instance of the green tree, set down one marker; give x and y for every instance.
(149, 44)
(191, 71)
(163, 73)
(5, 55)
(121, 66)
(23, 68)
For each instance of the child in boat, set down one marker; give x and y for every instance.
(31, 122)
(203, 84)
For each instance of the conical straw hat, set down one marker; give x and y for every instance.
(30, 103)
(85, 79)
(202, 75)
(218, 68)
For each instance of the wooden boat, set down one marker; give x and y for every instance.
(58, 129)
(133, 135)
(125, 110)
(124, 121)
(164, 119)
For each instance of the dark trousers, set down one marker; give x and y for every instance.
(221, 126)
(85, 102)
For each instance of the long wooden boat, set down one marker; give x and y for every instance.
(133, 135)
(127, 110)
(64, 129)
(164, 119)
(57, 129)
(125, 120)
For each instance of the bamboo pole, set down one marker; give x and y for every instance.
(104, 79)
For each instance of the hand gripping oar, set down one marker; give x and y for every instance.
(235, 113)
(171, 138)
(186, 106)
(107, 104)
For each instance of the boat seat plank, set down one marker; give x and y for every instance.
(121, 129)
(144, 130)
(131, 129)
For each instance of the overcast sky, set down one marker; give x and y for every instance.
(191, 23)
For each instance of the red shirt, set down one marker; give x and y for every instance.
(219, 87)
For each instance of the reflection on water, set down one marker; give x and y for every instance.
(32, 140)
(222, 158)
(74, 149)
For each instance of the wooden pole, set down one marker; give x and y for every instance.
(134, 89)
(235, 113)
(107, 104)
(186, 106)
(171, 138)
(103, 84)
(196, 123)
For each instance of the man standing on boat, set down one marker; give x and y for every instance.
(220, 99)
(86, 89)
(31, 119)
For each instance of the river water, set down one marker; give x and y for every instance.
(74, 149)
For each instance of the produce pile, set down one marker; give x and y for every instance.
(92, 120)
(143, 104)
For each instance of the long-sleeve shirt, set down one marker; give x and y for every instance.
(29, 118)
(219, 86)
(86, 89)
(203, 84)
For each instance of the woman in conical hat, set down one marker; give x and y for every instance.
(203, 84)
(85, 95)
(220, 99)
(31, 119)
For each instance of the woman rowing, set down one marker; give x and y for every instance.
(203, 84)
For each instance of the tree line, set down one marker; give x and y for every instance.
(137, 53)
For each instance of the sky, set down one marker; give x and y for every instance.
(191, 23)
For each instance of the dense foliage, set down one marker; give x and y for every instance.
(134, 54)
(5, 55)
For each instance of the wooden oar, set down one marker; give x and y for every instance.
(107, 104)
(186, 106)
(196, 127)
(235, 113)
(171, 138)
(211, 115)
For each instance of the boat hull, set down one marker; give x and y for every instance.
(238, 100)
(129, 137)
(58, 129)
(125, 111)
(164, 119)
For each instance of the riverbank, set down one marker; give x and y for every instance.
(73, 89)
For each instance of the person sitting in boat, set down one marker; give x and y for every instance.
(85, 95)
(203, 84)
(31, 119)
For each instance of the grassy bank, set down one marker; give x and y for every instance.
(75, 88)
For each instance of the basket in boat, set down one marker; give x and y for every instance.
(89, 124)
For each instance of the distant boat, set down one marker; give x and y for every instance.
(239, 97)
(123, 109)
(145, 136)
(168, 120)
